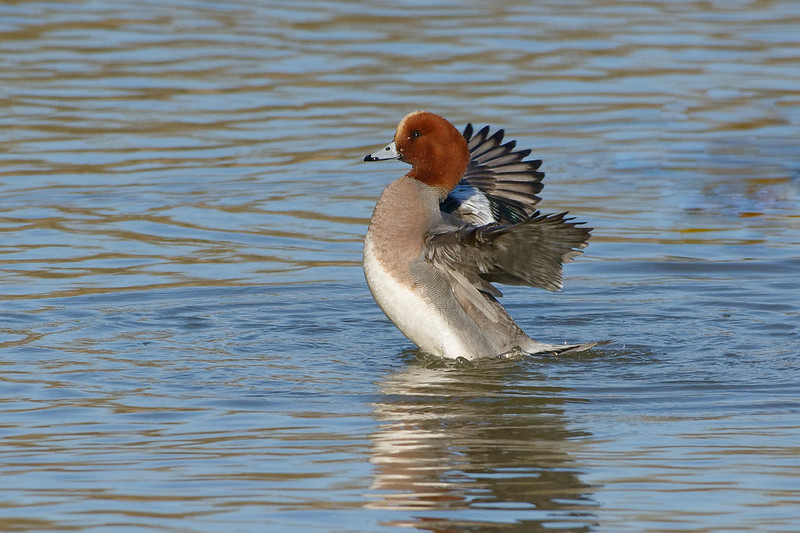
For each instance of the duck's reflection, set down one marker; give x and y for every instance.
(487, 440)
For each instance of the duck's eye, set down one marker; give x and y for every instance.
(415, 134)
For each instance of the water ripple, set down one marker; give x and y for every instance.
(185, 335)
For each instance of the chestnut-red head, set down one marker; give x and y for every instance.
(434, 147)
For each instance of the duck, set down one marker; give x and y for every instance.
(463, 219)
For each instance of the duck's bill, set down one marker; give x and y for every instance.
(388, 152)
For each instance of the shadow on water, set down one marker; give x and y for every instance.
(476, 446)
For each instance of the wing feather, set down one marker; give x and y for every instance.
(529, 253)
(498, 172)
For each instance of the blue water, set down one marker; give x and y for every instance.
(186, 339)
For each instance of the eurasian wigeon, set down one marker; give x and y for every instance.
(462, 218)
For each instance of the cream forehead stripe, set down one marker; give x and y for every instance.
(406, 118)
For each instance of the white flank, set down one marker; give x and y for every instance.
(416, 317)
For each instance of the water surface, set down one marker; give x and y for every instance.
(186, 339)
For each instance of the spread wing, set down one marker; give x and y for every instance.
(530, 253)
(498, 186)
